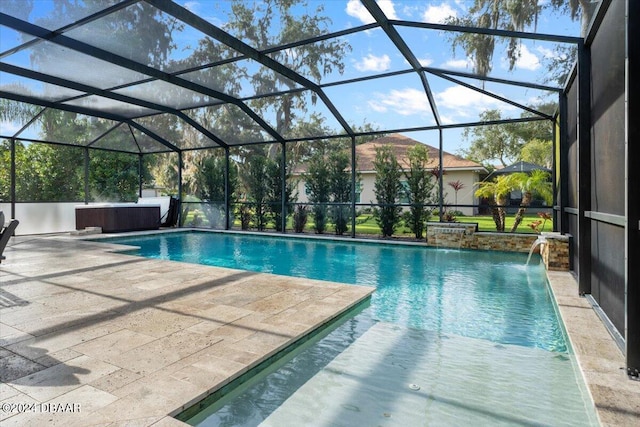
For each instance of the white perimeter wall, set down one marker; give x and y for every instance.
(41, 218)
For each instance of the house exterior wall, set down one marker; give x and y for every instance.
(466, 196)
(367, 196)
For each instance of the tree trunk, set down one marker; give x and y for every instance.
(526, 201)
(502, 213)
(496, 217)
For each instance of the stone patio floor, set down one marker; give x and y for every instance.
(122, 340)
(114, 339)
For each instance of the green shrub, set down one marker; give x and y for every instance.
(300, 217)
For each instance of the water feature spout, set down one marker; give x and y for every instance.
(451, 230)
(540, 241)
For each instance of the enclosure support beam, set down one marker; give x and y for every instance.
(86, 175)
(62, 40)
(584, 168)
(220, 35)
(440, 176)
(140, 175)
(180, 166)
(227, 193)
(490, 94)
(554, 173)
(353, 186)
(632, 246)
(12, 196)
(283, 198)
(562, 164)
(395, 37)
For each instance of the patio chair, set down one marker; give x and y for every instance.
(171, 217)
(6, 233)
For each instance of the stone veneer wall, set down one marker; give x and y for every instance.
(554, 252)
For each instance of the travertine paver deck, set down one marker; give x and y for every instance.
(119, 340)
(616, 397)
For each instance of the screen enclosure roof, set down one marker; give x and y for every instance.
(158, 76)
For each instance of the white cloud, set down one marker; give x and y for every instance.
(458, 63)
(550, 54)
(546, 53)
(462, 4)
(405, 102)
(374, 63)
(207, 11)
(192, 6)
(527, 59)
(446, 119)
(388, 8)
(438, 14)
(425, 62)
(9, 128)
(378, 106)
(465, 102)
(357, 10)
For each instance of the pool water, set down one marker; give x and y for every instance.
(450, 336)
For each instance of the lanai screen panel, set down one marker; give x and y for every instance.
(571, 174)
(230, 123)
(240, 78)
(608, 114)
(10, 38)
(51, 16)
(608, 164)
(19, 85)
(59, 61)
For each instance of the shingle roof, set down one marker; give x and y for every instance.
(366, 154)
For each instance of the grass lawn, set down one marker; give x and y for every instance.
(366, 224)
(485, 223)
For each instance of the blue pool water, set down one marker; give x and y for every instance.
(477, 330)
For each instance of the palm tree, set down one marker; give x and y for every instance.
(535, 183)
(497, 191)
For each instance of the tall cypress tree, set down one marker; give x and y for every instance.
(340, 190)
(258, 189)
(319, 188)
(387, 188)
(419, 188)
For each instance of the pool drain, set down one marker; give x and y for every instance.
(414, 386)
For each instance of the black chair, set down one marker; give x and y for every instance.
(5, 235)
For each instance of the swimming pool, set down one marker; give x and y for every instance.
(450, 336)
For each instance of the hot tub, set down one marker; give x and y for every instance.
(118, 217)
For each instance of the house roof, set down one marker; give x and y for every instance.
(400, 144)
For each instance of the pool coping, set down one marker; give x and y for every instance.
(616, 397)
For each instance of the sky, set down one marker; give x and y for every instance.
(394, 102)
